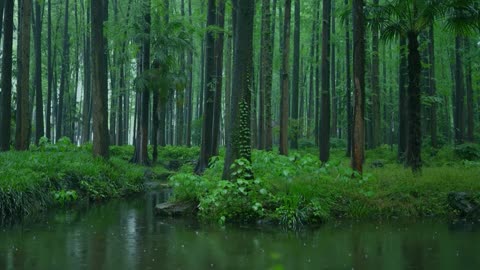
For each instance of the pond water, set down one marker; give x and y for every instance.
(125, 234)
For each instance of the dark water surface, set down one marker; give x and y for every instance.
(125, 234)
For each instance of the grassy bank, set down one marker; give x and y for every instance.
(297, 190)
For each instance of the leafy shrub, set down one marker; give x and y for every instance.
(468, 151)
(64, 197)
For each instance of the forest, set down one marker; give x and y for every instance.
(283, 113)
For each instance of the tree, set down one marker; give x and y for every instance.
(6, 83)
(432, 87)
(39, 129)
(143, 97)
(22, 133)
(64, 77)
(325, 114)
(48, 113)
(239, 142)
(348, 86)
(266, 60)
(296, 75)
(376, 112)
(99, 9)
(284, 83)
(213, 86)
(358, 145)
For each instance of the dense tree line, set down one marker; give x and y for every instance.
(242, 74)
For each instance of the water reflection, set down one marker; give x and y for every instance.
(126, 235)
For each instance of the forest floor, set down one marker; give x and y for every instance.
(291, 191)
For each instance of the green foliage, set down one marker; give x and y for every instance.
(28, 179)
(468, 151)
(298, 190)
(64, 197)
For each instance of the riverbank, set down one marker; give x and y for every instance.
(298, 190)
(63, 174)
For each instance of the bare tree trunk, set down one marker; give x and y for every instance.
(6, 83)
(296, 75)
(358, 147)
(459, 119)
(22, 134)
(325, 96)
(99, 9)
(348, 94)
(284, 107)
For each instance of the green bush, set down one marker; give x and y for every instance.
(468, 151)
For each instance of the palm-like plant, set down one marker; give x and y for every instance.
(408, 19)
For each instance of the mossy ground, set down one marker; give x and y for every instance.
(300, 190)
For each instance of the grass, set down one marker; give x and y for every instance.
(62, 173)
(298, 190)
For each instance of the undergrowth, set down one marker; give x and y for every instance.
(298, 190)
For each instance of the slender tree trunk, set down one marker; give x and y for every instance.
(87, 87)
(296, 75)
(190, 87)
(376, 111)
(433, 88)
(6, 83)
(22, 134)
(206, 149)
(239, 144)
(311, 95)
(358, 146)
(470, 95)
(219, 43)
(348, 88)
(48, 113)
(325, 97)
(333, 77)
(141, 152)
(317, 81)
(414, 139)
(39, 129)
(268, 90)
(459, 93)
(403, 102)
(266, 48)
(99, 9)
(285, 81)
(64, 76)
(2, 7)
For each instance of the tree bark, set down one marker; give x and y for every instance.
(376, 111)
(60, 125)
(22, 134)
(296, 76)
(284, 106)
(268, 89)
(403, 102)
(99, 9)
(239, 142)
(358, 147)
(39, 129)
(459, 120)
(433, 88)
(6, 83)
(325, 96)
(414, 139)
(348, 87)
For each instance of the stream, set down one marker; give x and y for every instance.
(125, 234)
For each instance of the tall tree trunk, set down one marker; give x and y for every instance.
(188, 132)
(311, 94)
(296, 75)
(2, 7)
(403, 102)
(459, 120)
(239, 144)
(317, 80)
(6, 83)
(141, 152)
(206, 149)
(470, 96)
(22, 134)
(39, 129)
(99, 9)
(414, 139)
(63, 77)
(284, 107)
(358, 146)
(325, 97)
(266, 48)
(348, 88)
(376, 111)
(87, 87)
(433, 88)
(333, 77)
(48, 113)
(219, 43)
(268, 90)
